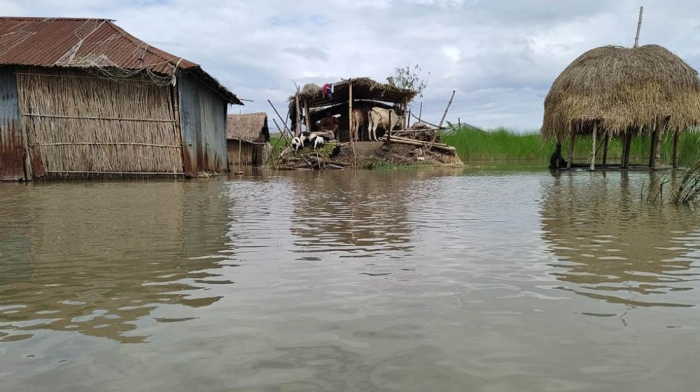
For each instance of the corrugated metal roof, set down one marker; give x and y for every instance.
(68, 42)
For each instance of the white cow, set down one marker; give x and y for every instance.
(386, 118)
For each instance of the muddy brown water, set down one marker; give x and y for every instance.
(399, 280)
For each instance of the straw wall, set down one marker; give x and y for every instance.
(254, 154)
(77, 122)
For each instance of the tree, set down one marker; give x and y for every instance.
(409, 78)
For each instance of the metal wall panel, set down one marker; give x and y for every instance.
(11, 150)
(203, 126)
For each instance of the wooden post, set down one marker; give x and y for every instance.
(297, 130)
(652, 147)
(676, 136)
(627, 147)
(350, 116)
(639, 27)
(657, 148)
(408, 120)
(605, 149)
(420, 113)
(445, 113)
(595, 131)
(405, 113)
(571, 147)
(308, 116)
(239, 153)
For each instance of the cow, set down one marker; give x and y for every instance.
(387, 118)
(329, 124)
(358, 118)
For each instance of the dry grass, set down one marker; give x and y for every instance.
(623, 89)
(247, 127)
(75, 123)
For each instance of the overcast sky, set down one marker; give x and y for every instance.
(500, 56)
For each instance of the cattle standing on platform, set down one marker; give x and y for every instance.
(329, 124)
(358, 116)
(386, 118)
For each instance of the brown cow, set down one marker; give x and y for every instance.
(329, 124)
(359, 118)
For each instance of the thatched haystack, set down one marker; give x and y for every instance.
(247, 136)
(623, 91)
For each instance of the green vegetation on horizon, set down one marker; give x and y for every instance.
(502, 145)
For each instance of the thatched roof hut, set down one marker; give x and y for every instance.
(250, 128)
(623, 91)
(247, 136)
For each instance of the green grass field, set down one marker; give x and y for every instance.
(506, 145)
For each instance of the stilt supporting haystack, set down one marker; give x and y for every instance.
(595, 131)
(676, 136)
(652, 147)
(626, 145)
(657, 148)
(605, 149)
(571, 148)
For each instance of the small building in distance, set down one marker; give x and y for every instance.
(84, 98)
(247, 139)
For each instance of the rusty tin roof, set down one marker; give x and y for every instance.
(79, 42)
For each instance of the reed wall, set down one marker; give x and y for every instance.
(77, 122)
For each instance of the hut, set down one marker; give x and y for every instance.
(615, 91)
(340, 98)
(247, 137)
(82, 97)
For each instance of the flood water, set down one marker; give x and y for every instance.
(398, 280)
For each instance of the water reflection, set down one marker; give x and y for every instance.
(353, 212)
(98, 265)
(613, 246)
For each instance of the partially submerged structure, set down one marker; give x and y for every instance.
(82, 97)
(247, 139)
(614, 91)
(340, 98)
(418, 144)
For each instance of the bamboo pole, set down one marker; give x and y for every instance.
(652, 147)
(98, 118)
(297, 130)
(605, 150)
(571, 147)
(420, 113)
(280, 117)
(658, 146)
(350, 121)
(308, 116)
(628, 147)
(676, 136)
(446, 109)
(240, 163)
(639, 27)
(595, 132)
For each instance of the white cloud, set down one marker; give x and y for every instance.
(500, 56)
